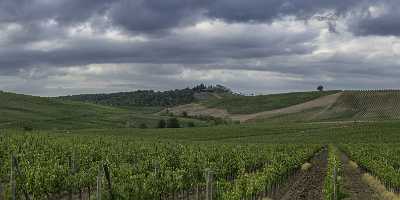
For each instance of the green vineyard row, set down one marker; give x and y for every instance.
(380, 160)
(49, 166)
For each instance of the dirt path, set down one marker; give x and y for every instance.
(353, 184)
(308, 184)
(325, 102)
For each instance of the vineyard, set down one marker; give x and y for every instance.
(328, 160)
(45, 165)
(382, 161)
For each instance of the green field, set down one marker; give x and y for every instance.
(81, 150)
(18, 111)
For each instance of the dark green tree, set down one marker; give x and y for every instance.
(190, 124)
(161, 124)
(173, 123)
(143, 126)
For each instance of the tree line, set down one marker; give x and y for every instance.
(147, 97)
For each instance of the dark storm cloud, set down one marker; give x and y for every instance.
(171, 49)
(36, 34)
(261, 10)
(155, 15)
(381, 19)
(63, 11)
(158, 16)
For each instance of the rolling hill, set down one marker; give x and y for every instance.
(18, 110)
(23, 111)
(244, 108)
(302, 107)
(154, 99)
(348, 106)
(253, 104)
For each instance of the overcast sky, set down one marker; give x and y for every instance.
(60, 47)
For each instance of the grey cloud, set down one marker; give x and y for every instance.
(158, 16)
(168, 50)
(155, 15)
(172, 49)
(63, 11)
(385, 24)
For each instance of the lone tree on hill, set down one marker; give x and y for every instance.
(320, 88)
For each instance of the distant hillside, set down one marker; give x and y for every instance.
(47, 113)
(349, 106)
(253, 104)
(244, 108)
(366, 105)
(150, 98)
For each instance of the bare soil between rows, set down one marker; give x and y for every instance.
(353, 186)
(308, 184)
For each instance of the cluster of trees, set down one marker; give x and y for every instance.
(137, 98)
(172, 122)
(211, 88)
(147, 97)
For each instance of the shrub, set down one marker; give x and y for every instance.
(161, 123)
(173, 123)
(190, 124)
(143, 126)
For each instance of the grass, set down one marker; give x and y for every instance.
(379, 188)
(49, 113)
(254, 104)
(298, 133)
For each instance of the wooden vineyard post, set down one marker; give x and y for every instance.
(72, 170)
(334, 183)
(99, 177)
(108, 178)
(197, 192)
(209, 184)
(1, 186)
(15, 171)
(12, 180)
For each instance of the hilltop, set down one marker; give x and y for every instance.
(150, 98)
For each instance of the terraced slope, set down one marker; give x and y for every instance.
(367, 105)
(321, 103)
(260, 103)
(349, 106)
(243, 108)
(340, 106)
